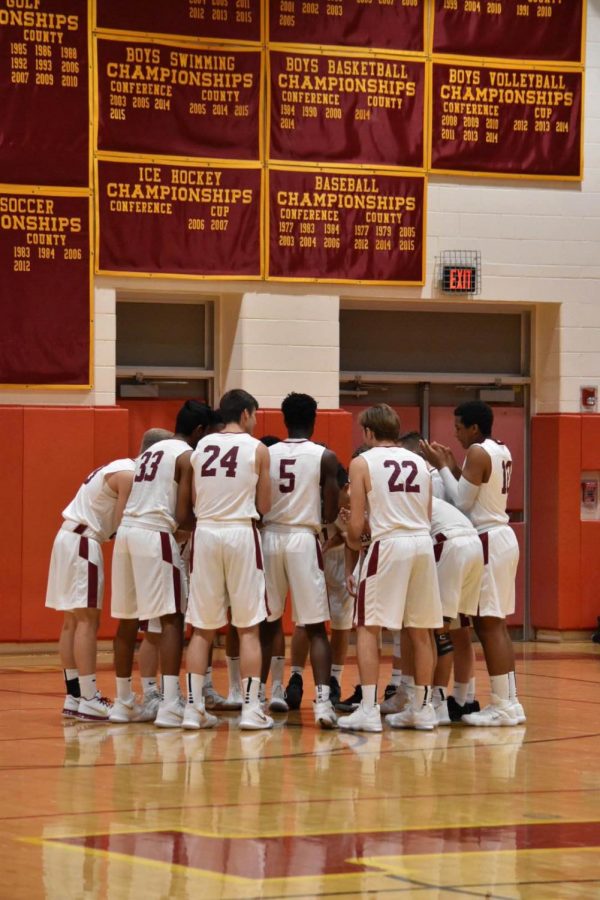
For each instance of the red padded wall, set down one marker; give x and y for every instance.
(11, 524)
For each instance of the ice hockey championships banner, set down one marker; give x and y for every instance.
(178, 100)
(549, 30)
(504, 120)
(234, 20)
(44, 289)
(168, 219)
(341, 109)
(363, 226)
(398, 25)
(44, 117)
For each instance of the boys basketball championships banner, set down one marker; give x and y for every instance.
(360, 226)
(44, 289)
(234, 20)
(44, 116)
(333, 109)
(169, 219)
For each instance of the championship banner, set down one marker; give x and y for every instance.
(506, 121)
(510, 29)
(233, 20)
(340, 109)
(394, 25)
(44, 118)
(180, 101)
(44, 289)
(169, 219)
(364, 226)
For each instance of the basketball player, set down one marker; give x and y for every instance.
(230, 488)
(480, 490)
(148, 580)
(76, 581)
(398, 582)
(303, 477)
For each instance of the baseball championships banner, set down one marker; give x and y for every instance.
(233, 20)
(359, 226)
(341, 109)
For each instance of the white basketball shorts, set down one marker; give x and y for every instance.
(147, 575)
(341, 604)
(76, 575)
(294, 563)
(459, 562)
(500, 558)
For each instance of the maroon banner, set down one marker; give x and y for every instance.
(509, 29)
(176, 220)
(334, 227)
(397, 25)
(235, 20)
(44, 289)
(157, 98)
(341, 109)
(506, 121)
(44, 116)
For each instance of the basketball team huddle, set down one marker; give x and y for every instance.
(214, 529)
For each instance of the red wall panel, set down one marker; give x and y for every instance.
(11, 524)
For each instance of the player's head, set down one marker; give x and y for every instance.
(379, 423)
(473, 422)
(153, 436)
(216, 422)
(193, 420)
(411, 440)
(299, 413)
(269, 439)
(239, 407)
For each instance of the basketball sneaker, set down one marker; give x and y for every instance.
(170, 714)
(440, 707)
(234, 699)
(518, 712)
(335, 691)
(131, 711)
(278, 703)
(497, 715)
(254, 719)
(422, 719)
(456, 711)
(325, 714)
(352, 702)
(194, 718)
(212, 698)
(395, 702)
(98, 709)
(390, 690)
(294, 691)
(362, 719)
(70, 707)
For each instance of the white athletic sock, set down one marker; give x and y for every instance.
(233, 672)
(369, 695)
(471, 691)
(70, 674)
(170, 688)
(149, 685)
(421, 696)
(277, 670)
(512, 687)
(460, 692)
(500, 687)
(87, 683)
(407, 680)
(208, 677)
(250, 688)
(322, 693)
(396, 677)
(123, 688)
(296, 670)
(439, 692)
(337, 672)
(195, 683)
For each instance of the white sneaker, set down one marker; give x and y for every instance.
(362, 719)
(278, 703)
(125, 710)
(498, 714)
(170, 715)
(70, 707)
(441, 712)
(194, 718)
(518, 712)
(325, 714)
(423, 718)
(234, 699)
(150, 704)
(98, 709)
(395, 703)
(253, 719)
(212, 698)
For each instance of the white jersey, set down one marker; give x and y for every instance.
(448, 520)
(94, 503)
(225, 477)
(153, 496)
(295, 484)
(489, 509)
(400, 490)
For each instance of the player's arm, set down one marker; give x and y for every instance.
(120, 483)
(263, 485)
(184, 510)
(358, 475)
(350, 561)
(329, 486)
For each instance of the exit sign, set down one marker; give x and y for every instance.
(459, 279)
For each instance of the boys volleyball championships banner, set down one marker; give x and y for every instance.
(287, 140)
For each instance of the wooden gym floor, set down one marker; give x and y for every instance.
(95, 811)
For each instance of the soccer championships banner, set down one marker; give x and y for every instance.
(503, 120)
(44, 119)
(234, 20)
(44, 289)
(180, 101)
(510, 29)
(339, 109)
(169, 219)
(329, 226)
(392, 25)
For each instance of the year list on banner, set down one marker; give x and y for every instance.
(234, 20)
(362, 226)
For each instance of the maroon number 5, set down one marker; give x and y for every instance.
(394, 484)
(228, 462)
(288, 479)
(148, 465)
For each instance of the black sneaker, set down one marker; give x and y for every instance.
(350, 703)
(335, 691)
(294, 691)
(390, 690)
(456, 711)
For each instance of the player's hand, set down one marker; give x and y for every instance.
(437, 455)
(344, 515)
(351, 585)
